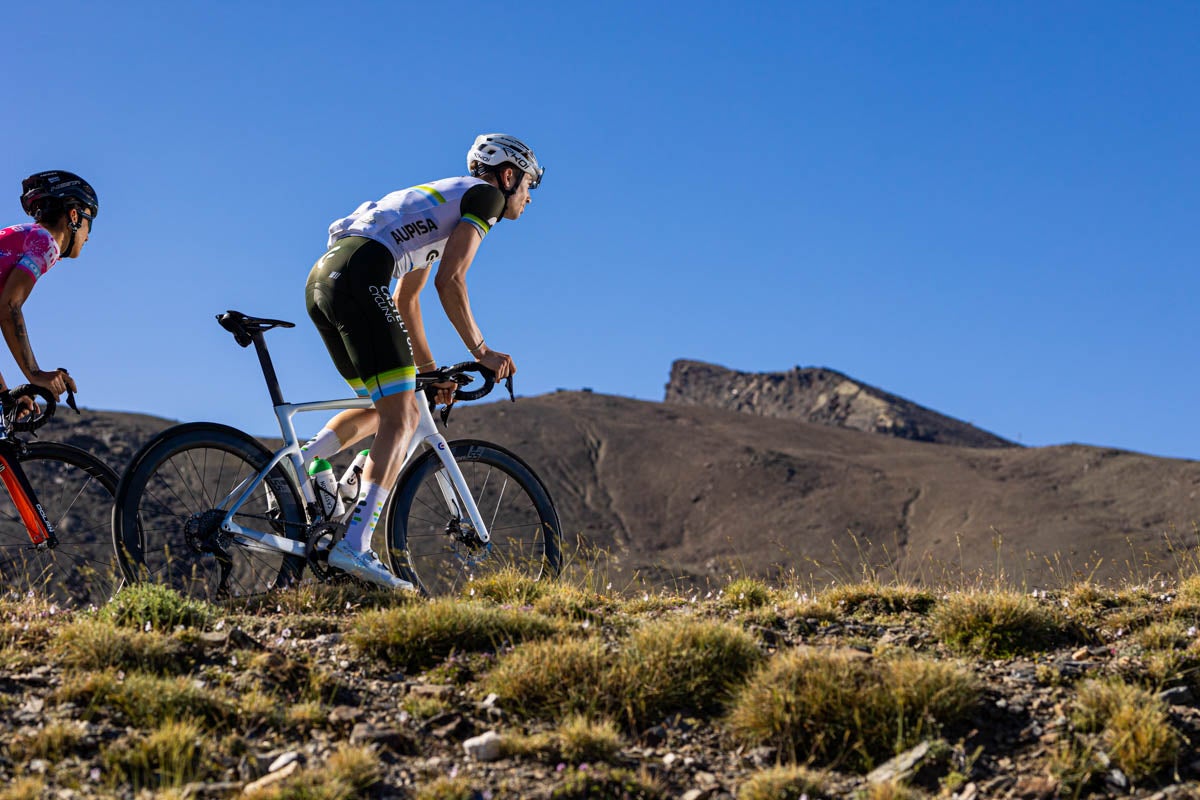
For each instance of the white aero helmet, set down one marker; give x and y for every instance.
(494, 149)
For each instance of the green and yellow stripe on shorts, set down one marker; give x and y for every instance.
(393, 381)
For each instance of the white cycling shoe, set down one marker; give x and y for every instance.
(366, 567)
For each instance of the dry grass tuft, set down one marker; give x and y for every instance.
(746, 594)
(447, 789)
(25, 788)
(349, 774)
(552, 677)
(783, 783)
(675, 664)
(51, 743)
(1001, 623)
(1133, 725)
(843, 707)
(92, 643)
(874, 599)
(146, 699)
(679, 664)
(173, 754)
(417, 636)
(604, 782)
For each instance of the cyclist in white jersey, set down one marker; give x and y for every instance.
(376, 337)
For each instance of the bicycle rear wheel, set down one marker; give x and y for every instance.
(169, 507)
(75, 489)
(432, 543)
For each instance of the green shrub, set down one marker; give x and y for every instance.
(152, 606)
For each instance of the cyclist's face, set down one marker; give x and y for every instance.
(520, 198)
(81, 235)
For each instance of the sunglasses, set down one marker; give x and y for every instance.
(91, 218)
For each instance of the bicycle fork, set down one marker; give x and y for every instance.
(37, 524)
(450, 480)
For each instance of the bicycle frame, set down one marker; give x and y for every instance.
(452, 483)
(37, 524)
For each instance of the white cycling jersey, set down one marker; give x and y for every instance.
(414, 223)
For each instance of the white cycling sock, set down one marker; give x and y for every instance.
(366, 514)
(323, 445)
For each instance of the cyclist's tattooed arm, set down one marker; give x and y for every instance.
(12, 323)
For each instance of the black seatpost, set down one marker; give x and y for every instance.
(264, 360)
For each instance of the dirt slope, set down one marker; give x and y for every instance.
(688, 490)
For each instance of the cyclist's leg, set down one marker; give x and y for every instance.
(353, 424)
(349, 292)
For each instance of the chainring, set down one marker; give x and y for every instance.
(321, 539)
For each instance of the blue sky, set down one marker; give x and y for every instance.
(988, 208)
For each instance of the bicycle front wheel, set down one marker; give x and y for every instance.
(171, 500)
(75, 489)
(432, 542)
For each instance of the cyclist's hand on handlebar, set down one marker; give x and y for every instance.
(56, 381)
(445, 392)
(499, 363)
(19, 407)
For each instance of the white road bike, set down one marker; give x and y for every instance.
(210, 511)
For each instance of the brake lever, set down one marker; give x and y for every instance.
(70, 394)
(508, 385)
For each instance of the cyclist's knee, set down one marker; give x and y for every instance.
(398, 411)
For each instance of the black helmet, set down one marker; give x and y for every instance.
(40, 191)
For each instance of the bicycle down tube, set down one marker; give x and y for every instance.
(455, 492)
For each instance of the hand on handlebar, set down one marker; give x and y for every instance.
(55, 380)
(445, 392)
(499, 363)
(18, 408)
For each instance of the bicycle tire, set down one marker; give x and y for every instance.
(523, 524)
(75, 490)
(165, 517)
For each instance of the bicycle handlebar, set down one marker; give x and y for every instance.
(458, 374)
(31, 423)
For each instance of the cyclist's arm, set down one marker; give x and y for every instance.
(451, 280)
(451, 283)
(12, 322)
(408, 302)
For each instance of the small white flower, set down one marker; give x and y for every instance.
(147, 626)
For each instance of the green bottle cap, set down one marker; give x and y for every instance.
(365, 453)
(318, 465)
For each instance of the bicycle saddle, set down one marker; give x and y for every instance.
(244, 327)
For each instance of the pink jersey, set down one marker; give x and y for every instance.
(29, 247)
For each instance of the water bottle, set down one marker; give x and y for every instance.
(325, 487)
(351, 483)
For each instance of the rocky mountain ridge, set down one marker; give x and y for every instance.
(822, 396)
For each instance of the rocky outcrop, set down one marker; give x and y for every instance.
(823, 396)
